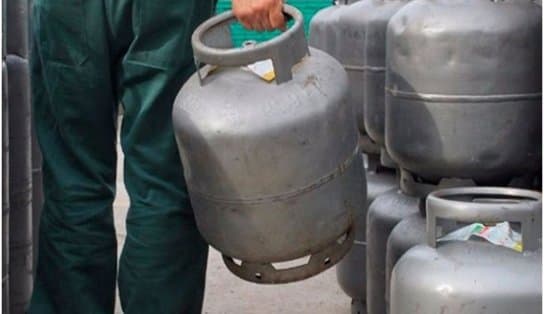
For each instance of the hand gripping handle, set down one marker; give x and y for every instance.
(211, 45)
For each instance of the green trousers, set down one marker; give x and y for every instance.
(88, 57)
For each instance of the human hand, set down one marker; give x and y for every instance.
(259, 15)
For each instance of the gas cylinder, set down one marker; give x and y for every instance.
(4, 32)
(350, 271)
(374, 75)
(272, 168)
(473, 276)
(5, 191)
(17, 19)
(383, 215)
(407, 233)
(340, 31)
(411, 230)
(463, 89)
(20, 184)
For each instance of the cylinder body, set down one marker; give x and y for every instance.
(463, 90)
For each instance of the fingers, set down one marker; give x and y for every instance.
(263, 18)
(275, 16)
(242, 11)
(259, 15)
(259, 23)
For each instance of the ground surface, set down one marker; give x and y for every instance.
(226, 294)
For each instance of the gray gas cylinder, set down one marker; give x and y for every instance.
(340, 31)
(384, 213)
(4, 22)
(272, 168)
(473, 276)
(407, 233)
(374, 75)
(17, 20)
(351, 271)
(411, 231)
(463, 90)
(5, 191)
(20, 183)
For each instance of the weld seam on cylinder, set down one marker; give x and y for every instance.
(462, 98)
(284, 196)
(363, 68)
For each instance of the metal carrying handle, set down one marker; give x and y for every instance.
(285, 50)
(527, 210)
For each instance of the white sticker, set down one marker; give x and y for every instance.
(264, 69)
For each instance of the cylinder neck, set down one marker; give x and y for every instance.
(412, 186)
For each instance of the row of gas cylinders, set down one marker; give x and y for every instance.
(432, 86)
(444, 100)
(21, 162)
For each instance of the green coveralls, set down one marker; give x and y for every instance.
(89, 56)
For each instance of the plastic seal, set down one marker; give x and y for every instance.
(487, 204)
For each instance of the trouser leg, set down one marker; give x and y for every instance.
(74, 111)
(163, 263)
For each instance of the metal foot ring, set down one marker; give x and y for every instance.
(266, 273)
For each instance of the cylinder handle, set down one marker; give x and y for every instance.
(505, 204)
(211, 46)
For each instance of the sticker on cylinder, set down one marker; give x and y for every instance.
(500, 234)
(264, 69)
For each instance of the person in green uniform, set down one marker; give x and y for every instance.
(89, 56)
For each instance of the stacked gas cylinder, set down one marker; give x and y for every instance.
(21, 162)
(354, 32)
(450, 91)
